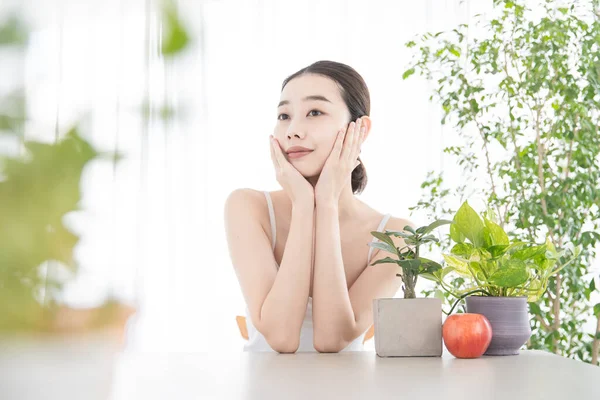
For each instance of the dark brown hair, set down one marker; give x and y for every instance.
(355, 93)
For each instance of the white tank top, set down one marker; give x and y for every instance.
(257, 342)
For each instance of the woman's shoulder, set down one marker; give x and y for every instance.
(253, 195)
(393, 223)
(250, 201)
(398, 223)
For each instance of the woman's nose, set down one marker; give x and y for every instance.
(296, 128)
(295, 132)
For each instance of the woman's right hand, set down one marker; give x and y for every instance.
(299, 190)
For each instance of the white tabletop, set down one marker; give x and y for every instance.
(352, 375)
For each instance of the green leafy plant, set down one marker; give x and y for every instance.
(39, 188)
(523, 96)
(37, 191)
(492, 265)
(408, 259)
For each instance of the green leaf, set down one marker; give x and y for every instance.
(456, 235)
(529, 252)
(429, 266)
(495, 233)
(384, 238)
(469, 224)
(498, 250)
(597, 310)
(426, 229)
(386, 260)
(384, 247)
(460, 265)
(408, 73)
(551, 250)
(463, 249)
(453, 50)
(410, 265)
(477, 270)
(410, 229)
(401, 234)
(411, 241)
(445, 271)
(430, 238)
(515, 245)
(512, 274)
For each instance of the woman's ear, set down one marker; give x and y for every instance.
(366, 121)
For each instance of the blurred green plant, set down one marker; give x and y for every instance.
(13, 31)
(39, 187)
(37, 191)
(528, 87)
(14, 34)
(175, 37)
(12, 113)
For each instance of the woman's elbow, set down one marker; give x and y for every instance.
(328, 344)
(283, 344)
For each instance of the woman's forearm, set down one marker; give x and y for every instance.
(333, 317)
(284, 308)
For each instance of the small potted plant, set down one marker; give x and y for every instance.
(40, 333)
(501, 276)
(408, 327)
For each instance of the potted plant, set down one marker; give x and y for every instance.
(40, 334)
(501, 276)
(406, 327)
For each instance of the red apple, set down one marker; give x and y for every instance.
(467, 335)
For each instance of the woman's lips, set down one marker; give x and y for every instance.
(298, 154)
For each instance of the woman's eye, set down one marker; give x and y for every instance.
(285, 116)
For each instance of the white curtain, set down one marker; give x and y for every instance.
(153, 230)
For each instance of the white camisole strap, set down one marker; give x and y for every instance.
(272, 218)
(384, 221)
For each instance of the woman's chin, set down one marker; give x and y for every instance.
(309, 175)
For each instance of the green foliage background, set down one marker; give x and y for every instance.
(524, 99)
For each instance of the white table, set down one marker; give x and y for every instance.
(352, 375)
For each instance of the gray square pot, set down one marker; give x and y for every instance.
(408, 327)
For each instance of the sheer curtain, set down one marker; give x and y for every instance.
(153, 228)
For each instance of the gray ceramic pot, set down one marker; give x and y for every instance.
(509, 317)
(408, 327)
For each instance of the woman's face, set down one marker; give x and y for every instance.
(310, 113)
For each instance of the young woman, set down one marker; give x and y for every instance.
(301, 254)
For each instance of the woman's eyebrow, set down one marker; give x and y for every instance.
(307, 98)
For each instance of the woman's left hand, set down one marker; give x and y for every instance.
(342, 160)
